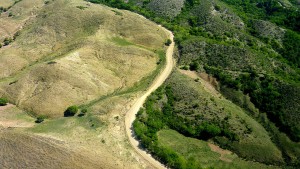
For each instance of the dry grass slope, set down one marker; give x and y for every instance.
(66, 54)
(6, 3)
(23, 151)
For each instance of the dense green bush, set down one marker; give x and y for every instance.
(3, 101)
(291, 48)
(166, 8)
(40, 118)
(168, 42)
(7, 41)
(82, 112)
(71, 111)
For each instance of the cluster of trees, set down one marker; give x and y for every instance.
(6, 42)
(69, 112)
(2, 9)
(291, 47)
(152, 119)
(265, 92)
(273, 11)
(73, 110)
(9, 40)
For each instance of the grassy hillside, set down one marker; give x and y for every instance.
(185, 105)
(203, 154)
(6, 4)
(251, 48)
(73, 52)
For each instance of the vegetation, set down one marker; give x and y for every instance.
(251, 47)
(166, 8)
(2, 9)
(40, 118)
(82, 112)
(81, 7)
(3, 101)
(199, 154)
(183, 106)
(71, 111)
(168, 42)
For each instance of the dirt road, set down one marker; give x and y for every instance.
(130, 116)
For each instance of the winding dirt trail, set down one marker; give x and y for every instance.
(131, 114)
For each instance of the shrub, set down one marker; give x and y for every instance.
(81, 7)
(16, 35)
(185, 67)
(168, 42)
(7, 41)
(194, 65)
(217, 7)
(82, 112)
(3, 101)
(166, 8)
(40, 119)
(71, 111)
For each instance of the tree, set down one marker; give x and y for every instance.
(7, 41)
(71, 111)
(168, 42)
(194, 65)
(82, 112)
(3, 101)
(40, 119)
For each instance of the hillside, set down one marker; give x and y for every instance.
(186, 105)
(232, 101)
(251, 49)
(48, 154)
(59, 53)
(72, 54)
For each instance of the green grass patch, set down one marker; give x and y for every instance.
(66, 124)
(121, 42)
(201, 154)
(185, 106)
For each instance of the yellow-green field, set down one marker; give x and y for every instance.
(205, 154)
(73, 52)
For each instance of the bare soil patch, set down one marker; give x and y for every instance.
(221, 151)
(9, 117)
(209, 83)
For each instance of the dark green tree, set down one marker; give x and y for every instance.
(71, 111)
(3, 101)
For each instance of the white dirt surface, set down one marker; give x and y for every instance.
(131, 114)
